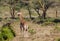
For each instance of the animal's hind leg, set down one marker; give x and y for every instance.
(26, 27)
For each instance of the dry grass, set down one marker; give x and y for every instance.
(43, 33)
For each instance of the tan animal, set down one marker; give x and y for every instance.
(23, 23)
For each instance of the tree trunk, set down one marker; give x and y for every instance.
(12, 11)
(56, 14)
(29, 13)
(38, 12)
(44, 14)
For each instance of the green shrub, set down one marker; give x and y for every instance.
(49, 19)
(36, 20)
(57, 28)
(0, 19)
(42, 21)
(7, 33)
(32, 31)
(1, 38)
(47, 23)
(58, 40)
(28, 19)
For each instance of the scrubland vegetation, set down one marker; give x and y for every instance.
(42, 16)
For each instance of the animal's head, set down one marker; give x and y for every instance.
(19, 13)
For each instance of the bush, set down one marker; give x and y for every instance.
(41, 20)
(58, 40)
(49, 19)
(1, 39)
(48, 23)
(6, 33)
(28, 19)
(0, 19)
(36, 20)
(57, 28)
(32, 31)
(56, 21)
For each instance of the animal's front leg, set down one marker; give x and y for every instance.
(21, 27)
